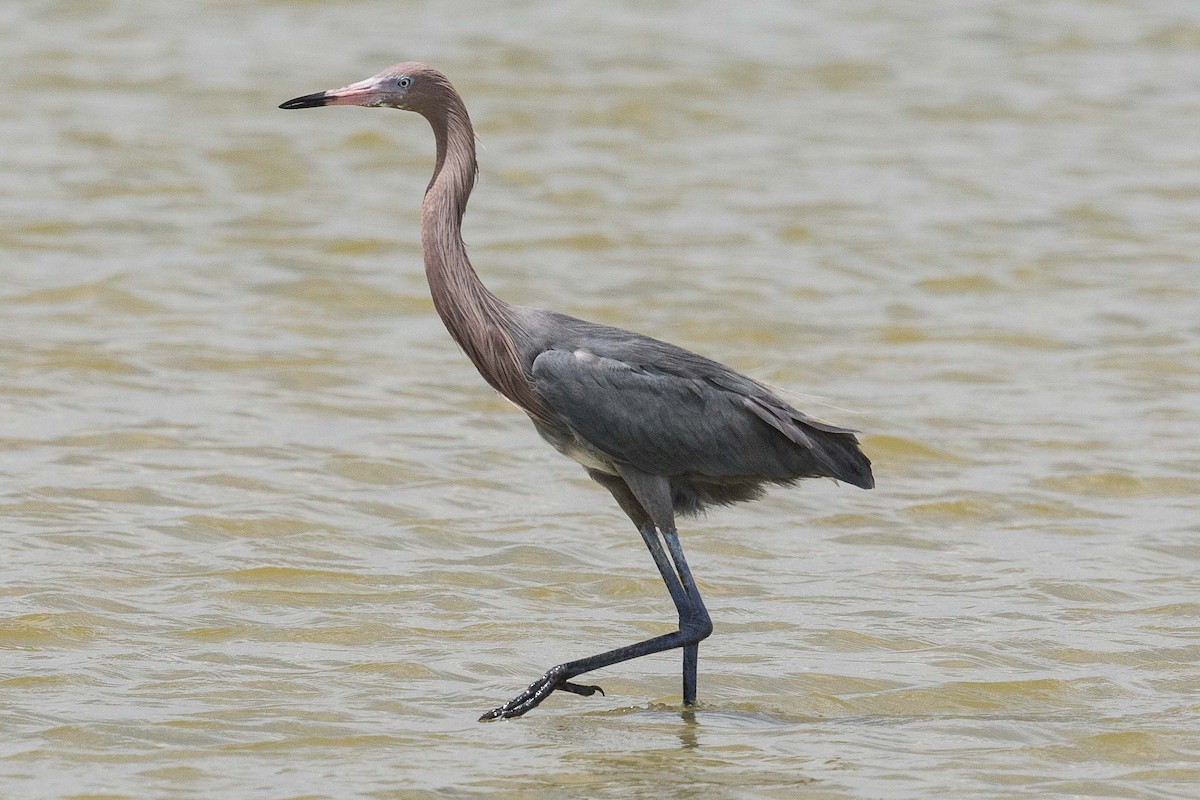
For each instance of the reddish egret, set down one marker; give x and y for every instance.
(666, 431)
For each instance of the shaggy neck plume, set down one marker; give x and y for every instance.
(478, 320)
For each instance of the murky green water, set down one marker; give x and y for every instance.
(267, 535)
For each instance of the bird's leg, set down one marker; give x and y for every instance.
(693, 615)
(691, 670)
(647, 501)
(665, 568)
(698, 618)
(652, 494)
(559, 677)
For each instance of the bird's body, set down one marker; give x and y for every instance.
(619, 398)
(665, 430)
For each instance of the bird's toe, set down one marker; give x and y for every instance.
(585, 690)
(538, 691)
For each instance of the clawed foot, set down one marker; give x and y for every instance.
(538, 691)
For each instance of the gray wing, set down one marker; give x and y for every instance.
(700, 419)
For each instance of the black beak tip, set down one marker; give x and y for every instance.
(307, 101)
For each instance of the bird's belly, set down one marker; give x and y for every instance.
(588, 459)
(564, 441)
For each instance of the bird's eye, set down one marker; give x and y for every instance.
(404, 82)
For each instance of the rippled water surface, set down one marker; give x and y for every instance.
(266, 534)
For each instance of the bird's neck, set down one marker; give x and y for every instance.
(479, 321)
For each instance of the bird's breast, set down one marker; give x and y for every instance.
(564, 441)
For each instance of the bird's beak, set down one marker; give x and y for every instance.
(364, 93)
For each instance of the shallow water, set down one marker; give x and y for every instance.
(267, 535)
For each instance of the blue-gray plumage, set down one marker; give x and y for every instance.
(716, 435)
(666, 431)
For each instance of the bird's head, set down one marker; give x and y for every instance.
(410, 86)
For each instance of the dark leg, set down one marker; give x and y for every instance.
(691, 663)
(700, 618)
(694, 623)
(646, 527)
(653, 494)
(559, 677)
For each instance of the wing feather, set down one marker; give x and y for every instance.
(664, 423)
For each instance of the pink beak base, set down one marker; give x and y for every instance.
(363, 93)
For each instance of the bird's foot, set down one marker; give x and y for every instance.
(536, 692)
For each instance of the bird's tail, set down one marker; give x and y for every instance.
(834, 449)
(841, 454)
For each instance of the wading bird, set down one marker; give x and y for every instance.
(666, 431)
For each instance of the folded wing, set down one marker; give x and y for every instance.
(701, 419)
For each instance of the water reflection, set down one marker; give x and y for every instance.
(689, 731)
